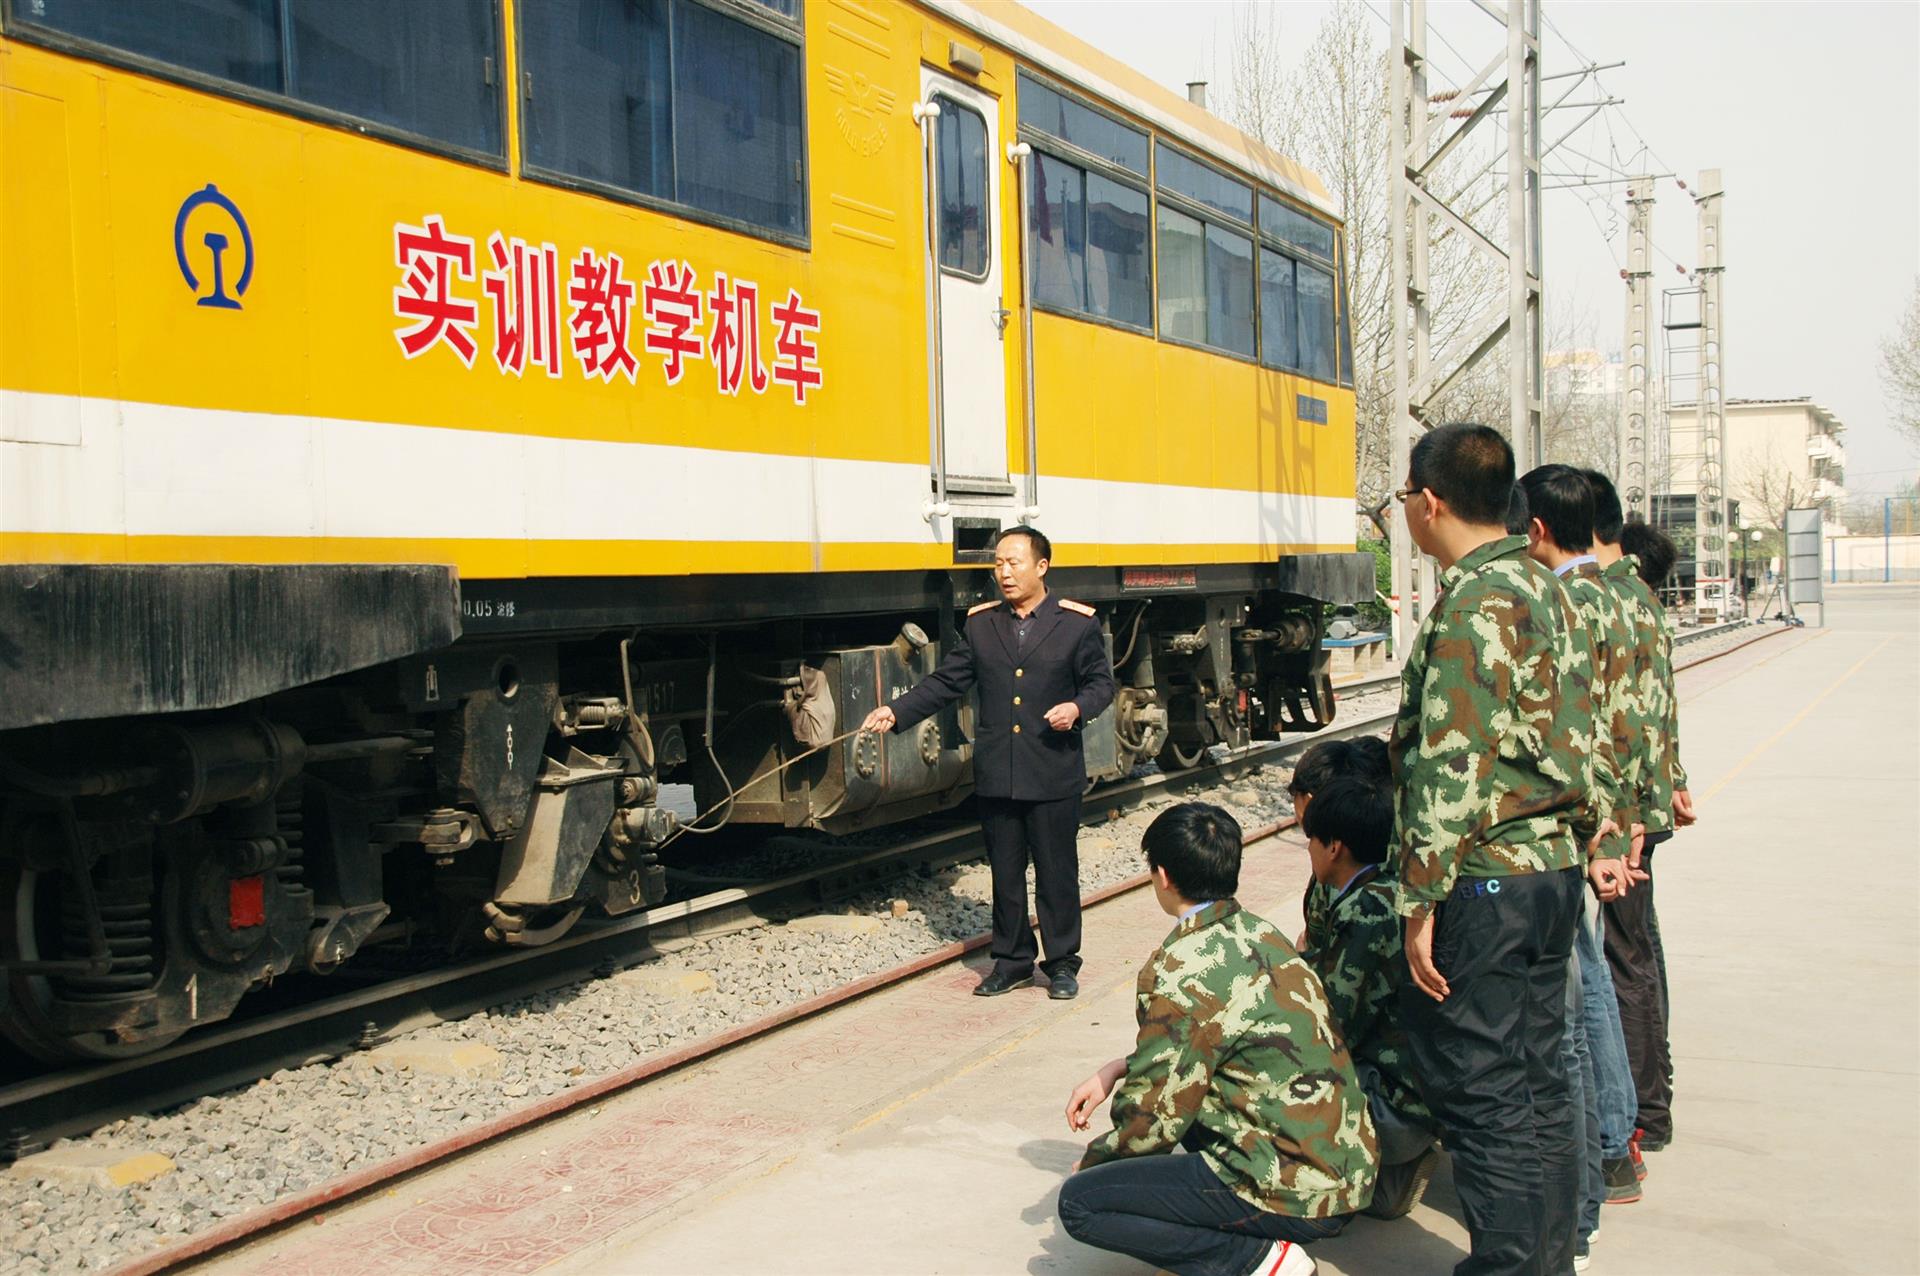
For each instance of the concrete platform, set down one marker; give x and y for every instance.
(920, 1130)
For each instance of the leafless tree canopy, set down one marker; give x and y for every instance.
(1332, 115)
(1900, 368)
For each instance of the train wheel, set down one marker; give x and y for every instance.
(1174, 758)
(30, 927)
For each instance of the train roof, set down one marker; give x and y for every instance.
(1066, 57)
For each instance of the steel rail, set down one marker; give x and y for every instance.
(255, 1222)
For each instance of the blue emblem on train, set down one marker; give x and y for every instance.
(217, 243)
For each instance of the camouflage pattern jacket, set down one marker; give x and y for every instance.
(1492, 750)
(1654, 707)
(1355, 947)
(1238, 1060)
(1615, 759)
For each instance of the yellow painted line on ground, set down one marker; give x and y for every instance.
(1796, 720)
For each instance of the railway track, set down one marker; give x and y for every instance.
(81, 1099)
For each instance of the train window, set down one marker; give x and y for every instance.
(233, 40)
(598, 86)
(1057, 215)
(1317, 344)
(1118, 231)
(1179, 173)
(670, 100)
(1046, 110)
(421, 71)
(1346, 320)
(418, 68)
(1206, 283)
(1278, 331)
(1295, 229)
(1229, 291)
(1183, 277)
(963, 190)
(1090, 243)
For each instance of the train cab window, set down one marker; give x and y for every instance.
(1206, 254)
(1279, 331)
(963, 190)
(1300, 294)
(1317, 344)
(1089, 218)
(672, 101)
(420, 71)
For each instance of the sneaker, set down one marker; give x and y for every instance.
(1633, 1154)
(1582, 1256)
(1623, 1186)
(1400, 1187)
(1286, 1259)
(1653, 1142)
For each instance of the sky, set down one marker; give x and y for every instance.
(1810, 110)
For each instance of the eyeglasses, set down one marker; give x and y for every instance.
(1405, 494)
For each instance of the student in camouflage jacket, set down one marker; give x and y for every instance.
(1633, 951)
(1492, 756)
(1238, 1063)
(1355, 948)
(1560, 538)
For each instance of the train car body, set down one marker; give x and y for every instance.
(425, 431)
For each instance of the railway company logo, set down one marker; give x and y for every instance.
(863, 110)
(217, 231)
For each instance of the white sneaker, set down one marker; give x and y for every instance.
(1286, 1259)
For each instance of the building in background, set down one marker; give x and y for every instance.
(1781, 454)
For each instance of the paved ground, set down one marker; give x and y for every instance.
(920, 1130)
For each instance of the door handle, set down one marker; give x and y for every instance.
(1000, 316)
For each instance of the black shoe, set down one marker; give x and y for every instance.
(1650, 1142)
(1623, 1185)
(1400, 1187)
(999, 981)
(1063, 986)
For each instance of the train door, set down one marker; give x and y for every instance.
(973, 323)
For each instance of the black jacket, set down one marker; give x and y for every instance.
(1016, 754)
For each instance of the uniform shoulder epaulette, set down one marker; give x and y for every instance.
(1071, 605)
(980, 607)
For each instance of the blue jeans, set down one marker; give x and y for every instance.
(1173, 1211)
(1600, 1009)
(1595, 1055)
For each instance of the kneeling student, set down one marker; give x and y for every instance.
(1356, 950)
(1236, 1062)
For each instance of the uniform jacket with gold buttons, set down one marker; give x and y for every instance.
(1015, 753)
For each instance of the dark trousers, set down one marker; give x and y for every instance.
(1174, 1212)
(1640, 983)
(1046, 833)
(1489, 1059)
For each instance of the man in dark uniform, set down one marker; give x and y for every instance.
(1041, 669)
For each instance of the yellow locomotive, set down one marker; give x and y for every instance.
(428, 430)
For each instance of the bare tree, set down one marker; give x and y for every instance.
(1768, 485)
(1332, 115)
(1900, 368)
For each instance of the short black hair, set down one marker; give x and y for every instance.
(1653, 547)
(1468, 466)
(1355, 811)
(1036, 540)
(1518, 515)
(1330, 760)
(1562, 499)
(1607, 515)
(1199, 846)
